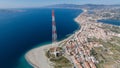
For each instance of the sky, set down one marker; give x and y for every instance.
(40, 3)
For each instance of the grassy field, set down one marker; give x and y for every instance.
(59, 62)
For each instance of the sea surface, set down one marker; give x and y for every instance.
(110, 21)
(24, 29)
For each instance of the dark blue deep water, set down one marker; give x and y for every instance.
(110, 21)
(23, 30)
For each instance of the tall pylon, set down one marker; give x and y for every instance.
(54, 33)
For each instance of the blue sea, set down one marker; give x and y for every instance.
(110, 21)
(24, 29)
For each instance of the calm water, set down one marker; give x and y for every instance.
(109, 21)
(21, 31)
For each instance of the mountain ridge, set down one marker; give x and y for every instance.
(88, 6)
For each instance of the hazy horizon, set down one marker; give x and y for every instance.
(41, 3)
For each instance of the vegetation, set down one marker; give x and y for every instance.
(93, 52)
(112, 28)
(115, 29)
(108, 53)
(47, 54)
(92, 39)
(60, 61)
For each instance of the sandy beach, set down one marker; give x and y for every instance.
(36, 57)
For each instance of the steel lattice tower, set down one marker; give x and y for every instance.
(54, 33)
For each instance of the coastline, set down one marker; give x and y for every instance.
(36, 57)
(31, 56)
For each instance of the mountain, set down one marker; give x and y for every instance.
(11, 10)
(87, 6)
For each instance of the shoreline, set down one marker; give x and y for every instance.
(41, 49)
(34, 56)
